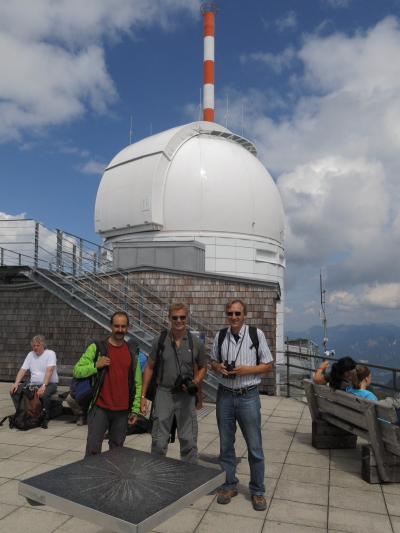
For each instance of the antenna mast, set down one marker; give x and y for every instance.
(322, 313)
(208, 10)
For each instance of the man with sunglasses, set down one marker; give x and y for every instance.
(239, 361)
(175, 367)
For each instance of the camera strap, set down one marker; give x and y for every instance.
(229, 344)
(189, 335)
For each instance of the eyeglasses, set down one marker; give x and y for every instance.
(236, 313)
(184, 317)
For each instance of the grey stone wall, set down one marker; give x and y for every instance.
(29, 310)
(26, 312)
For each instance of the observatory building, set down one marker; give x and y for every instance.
(194, 197)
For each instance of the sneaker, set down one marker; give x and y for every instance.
(259, 503)
(225, 496)
(81, 421)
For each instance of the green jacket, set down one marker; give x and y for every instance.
(86, 367)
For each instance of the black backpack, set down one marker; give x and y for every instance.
(253, 337)
(29, 413)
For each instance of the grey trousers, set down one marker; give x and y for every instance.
(182, 405)
(99, 421)
(76, 409)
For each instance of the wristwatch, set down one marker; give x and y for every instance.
(44, 385)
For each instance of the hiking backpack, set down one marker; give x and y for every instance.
(253, 337)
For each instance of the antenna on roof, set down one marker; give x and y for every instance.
(227, 111)
(130, 133)
(209, 10)
(322, 313)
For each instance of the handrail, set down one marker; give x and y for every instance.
(312, 358)
(82, 264)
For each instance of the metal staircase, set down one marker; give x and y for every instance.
(81, 274)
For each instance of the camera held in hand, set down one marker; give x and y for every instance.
(186, 379)
(229, 368)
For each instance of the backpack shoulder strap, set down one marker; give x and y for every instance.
(190, 338)
(102, 348)
(161, 343)
(221, 338)
(255, 341)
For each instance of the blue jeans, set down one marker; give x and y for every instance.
(244, 409)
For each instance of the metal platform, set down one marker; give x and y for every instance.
(124, 490)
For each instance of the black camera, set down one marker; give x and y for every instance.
(186, 379)
(229, 368)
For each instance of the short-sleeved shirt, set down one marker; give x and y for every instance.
(114, 393)
(37, 364)
(169, 369)
(239, 351)
(344, 382)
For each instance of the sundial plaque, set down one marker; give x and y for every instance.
(123, 490)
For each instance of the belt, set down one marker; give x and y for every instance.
(243, 390)
(171, 391)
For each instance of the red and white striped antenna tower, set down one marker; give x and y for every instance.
(208, 10)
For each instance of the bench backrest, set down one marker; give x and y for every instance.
(336, 405)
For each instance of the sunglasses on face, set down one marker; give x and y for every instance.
(184, 317)
(236, 313)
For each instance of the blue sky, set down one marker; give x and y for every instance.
(319, 83)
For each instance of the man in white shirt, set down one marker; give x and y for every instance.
(41, 363)
(239, 356)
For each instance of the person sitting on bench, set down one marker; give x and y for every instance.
(42, 365)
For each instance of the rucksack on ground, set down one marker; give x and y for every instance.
(29, 413)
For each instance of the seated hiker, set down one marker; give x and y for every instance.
(340, 375)
(41, 363)
(361, 380)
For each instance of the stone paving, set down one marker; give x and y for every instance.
(308, 490)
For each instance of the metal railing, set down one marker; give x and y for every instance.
(85, 268)
(292, 386)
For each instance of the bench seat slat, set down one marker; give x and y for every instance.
(341, 411)
(363, 433)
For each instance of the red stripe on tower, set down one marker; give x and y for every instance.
(208, 10)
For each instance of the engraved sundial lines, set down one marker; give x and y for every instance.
(134, 484)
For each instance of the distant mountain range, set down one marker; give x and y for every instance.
(371, 343)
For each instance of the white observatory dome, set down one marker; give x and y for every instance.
(202, 184)
(194, 179)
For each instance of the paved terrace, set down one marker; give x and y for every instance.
(308, 491)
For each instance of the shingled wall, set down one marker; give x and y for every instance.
(29, 310)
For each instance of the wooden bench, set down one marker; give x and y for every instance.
(338, 418)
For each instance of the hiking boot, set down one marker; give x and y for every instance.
(259, 503)
(81, 421)
(225, 496)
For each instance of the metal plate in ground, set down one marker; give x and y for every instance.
(124, 490)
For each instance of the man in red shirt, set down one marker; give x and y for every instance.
(118, 388)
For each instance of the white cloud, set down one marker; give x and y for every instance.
(286, 22)
(380, 295)
(334, 149)
(54, 69)
(4, 216)
(338, 3)
(277, 62)
(92, 167)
